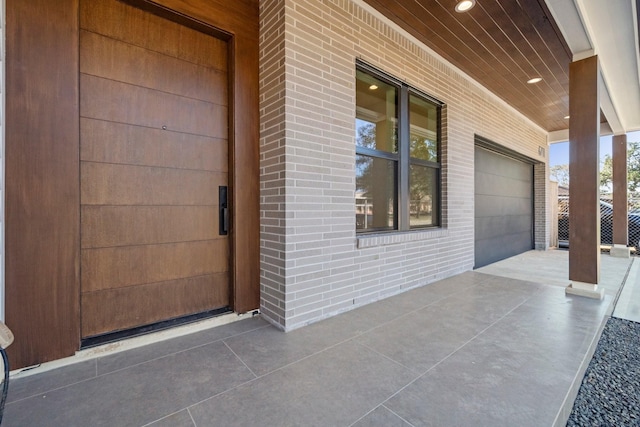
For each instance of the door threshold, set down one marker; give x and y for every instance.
(111, 337)
(133, 342)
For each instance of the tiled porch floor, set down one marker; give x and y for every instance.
(477, 349)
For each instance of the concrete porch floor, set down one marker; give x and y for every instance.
(499, 346)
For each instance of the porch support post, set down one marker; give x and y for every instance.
(584, 193)
(620, 206)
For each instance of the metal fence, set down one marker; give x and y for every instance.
(606, 220)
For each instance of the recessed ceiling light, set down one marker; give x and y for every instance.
(534, 80)
(465, 5)
(373, 87)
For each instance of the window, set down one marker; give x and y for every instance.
(397, 155)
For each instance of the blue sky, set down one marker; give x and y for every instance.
(559, 152)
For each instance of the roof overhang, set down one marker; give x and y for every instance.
(608, 29)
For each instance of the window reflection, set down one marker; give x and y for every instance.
(423, 118)
(423, 196)
(397, 155)
(376, 115)
(375, 193)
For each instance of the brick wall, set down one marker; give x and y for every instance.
(272, 161)
(313, 264)
(542, 210)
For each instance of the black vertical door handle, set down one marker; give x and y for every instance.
(223, 211)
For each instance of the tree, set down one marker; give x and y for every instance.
(421, 179)
(366, 138)
(375, 177)
(561, 174)
(633, 168)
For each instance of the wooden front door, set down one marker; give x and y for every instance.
(153, 154)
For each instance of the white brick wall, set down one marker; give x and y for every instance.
(313, 264)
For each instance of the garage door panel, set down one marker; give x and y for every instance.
(135, 65)
(123, 22)
(108, 184)
(491, 162)
(118, 309)
(497, 205)
(496, 226)
(504, 168)
(506, 246)
(137, 265)
(107, 226)
(492, 184)
(503, 206)
(118, 143)
(104, 99)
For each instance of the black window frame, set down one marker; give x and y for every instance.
(402, 157)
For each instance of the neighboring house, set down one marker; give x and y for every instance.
(299, 157)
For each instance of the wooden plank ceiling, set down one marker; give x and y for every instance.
(499, 43)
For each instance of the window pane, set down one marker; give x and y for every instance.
(423, 117)
(376, 114)
(423, 196)
(375, 193)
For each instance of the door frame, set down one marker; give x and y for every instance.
(42, 198)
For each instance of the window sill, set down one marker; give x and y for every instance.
(383, 239)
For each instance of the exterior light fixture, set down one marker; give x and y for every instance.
(465, 5)
(373, 87)
(534, 80)
(566, 117)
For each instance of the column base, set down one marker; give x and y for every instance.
(620, 251)
(587, 290)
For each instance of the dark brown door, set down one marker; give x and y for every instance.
(154, 152)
